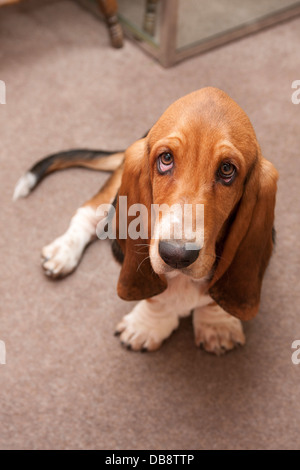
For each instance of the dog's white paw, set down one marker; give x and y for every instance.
(61, 257)
(218, 333)
(140, 331)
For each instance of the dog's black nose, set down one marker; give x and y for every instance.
(178, 254)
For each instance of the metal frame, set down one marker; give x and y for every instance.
(168, 32)
(167, 53)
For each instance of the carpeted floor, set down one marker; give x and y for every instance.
(68, 384)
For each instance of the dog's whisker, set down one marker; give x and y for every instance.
(147, 257)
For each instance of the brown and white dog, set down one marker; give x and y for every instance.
(203, 150)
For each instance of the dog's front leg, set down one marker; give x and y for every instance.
(215, 330)
(148, 324)
(62, 256)
(153, 320)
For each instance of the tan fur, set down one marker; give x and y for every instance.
(108, 192)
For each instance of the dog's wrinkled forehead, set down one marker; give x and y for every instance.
(207, 114)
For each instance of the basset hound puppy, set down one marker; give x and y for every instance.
(202, 151)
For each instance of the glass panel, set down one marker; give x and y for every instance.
(142, 17)
(201, 19)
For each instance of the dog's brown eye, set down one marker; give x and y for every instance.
(227, 172)
(226, 169)
(166, 158)
(165, 162)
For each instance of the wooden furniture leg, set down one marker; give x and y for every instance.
(109, 9)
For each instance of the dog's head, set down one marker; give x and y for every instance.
(202, 153)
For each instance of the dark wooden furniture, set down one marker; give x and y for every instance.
(109, 9)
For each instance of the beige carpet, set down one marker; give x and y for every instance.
(68, 384)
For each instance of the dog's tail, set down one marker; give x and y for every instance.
(92, 159)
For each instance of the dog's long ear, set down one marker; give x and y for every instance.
(137, 279)
(247, 248)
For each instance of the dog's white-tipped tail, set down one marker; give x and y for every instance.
(25, 184)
